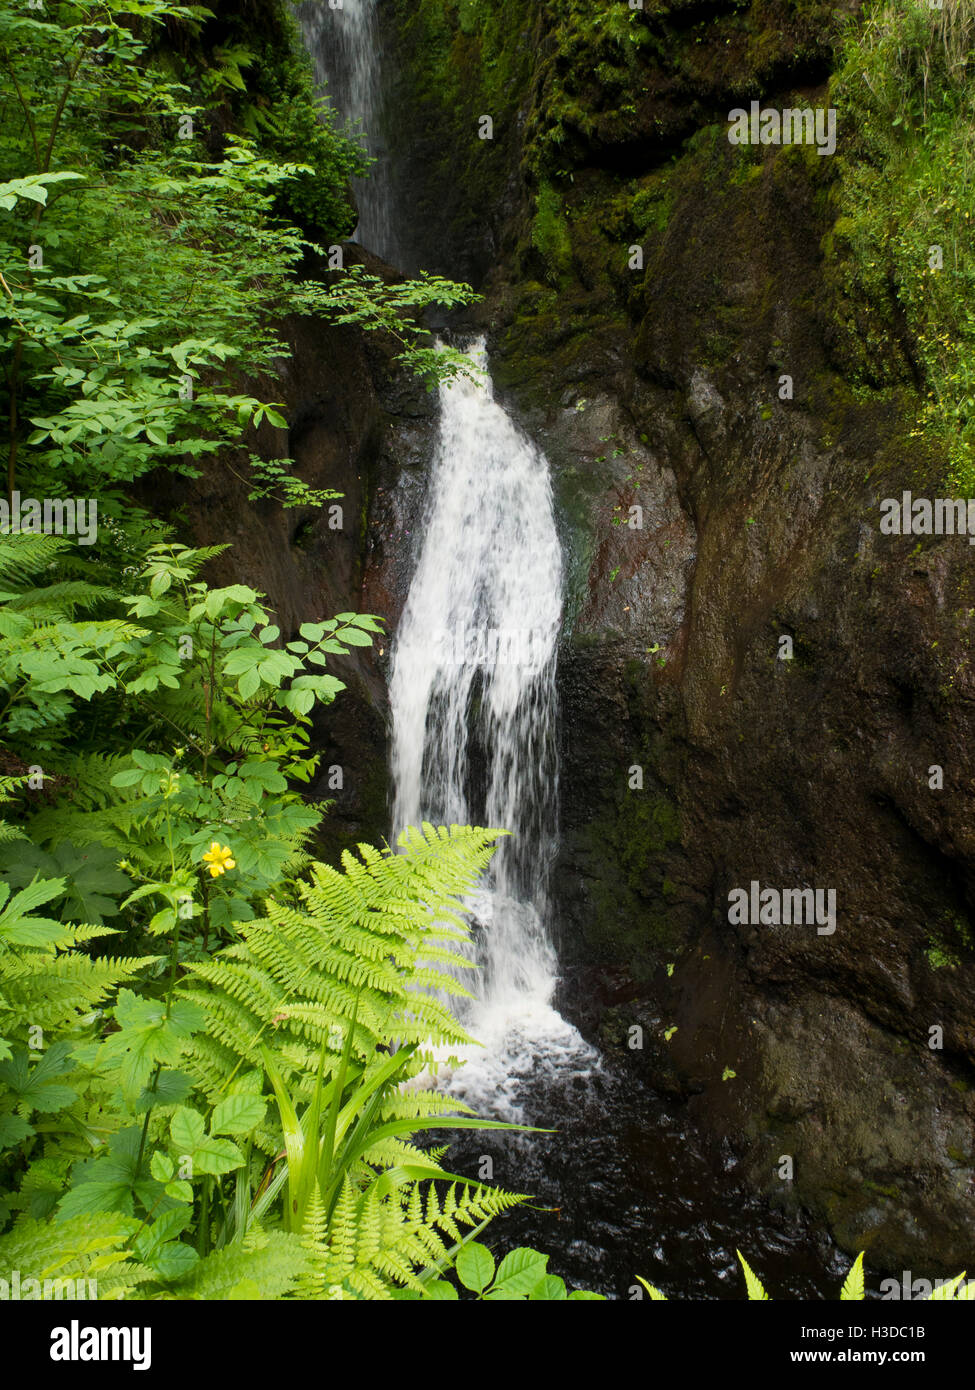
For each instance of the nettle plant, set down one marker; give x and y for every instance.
(205, 812)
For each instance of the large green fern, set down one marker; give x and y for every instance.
(340, 1003)
(374, 942)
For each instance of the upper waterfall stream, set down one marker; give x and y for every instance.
(344, 44)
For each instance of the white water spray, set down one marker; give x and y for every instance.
(474, 717)
(345, 47)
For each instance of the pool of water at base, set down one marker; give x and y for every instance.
(624, 1188)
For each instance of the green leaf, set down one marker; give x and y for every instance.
(187, 1128)
(475, 1267)
(519, 1271)
(38, 1087)
(111, 1183)
(161, 1166)
(756, 1292)
(551, 1289)
(238, 1114)
(13, 1129)
(440, 1290)
(655, 1294)
(147, 1036)
(217, 1156)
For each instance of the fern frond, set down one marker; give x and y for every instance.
(852, 1290)
(756, 1292)
(23, 554)
(352, 949)
(83, 1247)
(271, 1267)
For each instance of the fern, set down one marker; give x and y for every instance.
(378, 1240)
(753, 1284)
(24, 555)
(45, 981)
(269, 1265)
(337, 1001)
(89, 1248)
(852, 1290)
(299, 975)
(8, 785)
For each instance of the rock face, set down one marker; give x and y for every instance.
(719, 484)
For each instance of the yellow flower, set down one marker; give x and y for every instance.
(220, 859)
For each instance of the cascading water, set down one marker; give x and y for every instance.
(473, 701)
(473, 684)
(621, 1184)
(345, 45)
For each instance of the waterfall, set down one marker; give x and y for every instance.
(472, 690)
(345, 46)
(473, 703)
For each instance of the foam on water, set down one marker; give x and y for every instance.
(474, 722)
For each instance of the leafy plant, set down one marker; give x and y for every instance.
(852, 1291)
(521, 1276)
(155, 1108)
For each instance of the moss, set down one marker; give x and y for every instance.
(881, 1190)
(550, 233)
(630, 892)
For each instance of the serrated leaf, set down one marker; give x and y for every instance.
(852, 1290)
(237, 1114)
(217, 1156)
(756, 1292)
(519, 1271)
(186, 1129)
(655, 1294)
(475, 1266)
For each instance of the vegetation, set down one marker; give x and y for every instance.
(853, 1290)
(209, 1043)
(904, 237)
(218, 1055)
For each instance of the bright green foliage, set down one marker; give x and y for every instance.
(153, 1111)
(364, 952)
(851, 1292)
(221, 710)
(522, 1275)
(955, 1291)
(753, 1285)
(91, 1250)
(903, 241)
(140, 272)
(46, 983)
